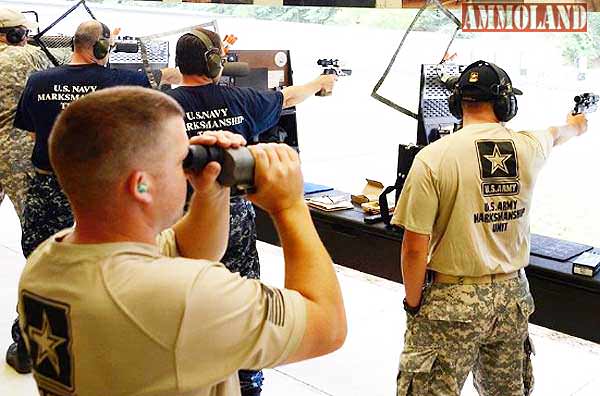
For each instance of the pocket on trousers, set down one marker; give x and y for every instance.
(415, 371)
(450, 303)
(526, 306)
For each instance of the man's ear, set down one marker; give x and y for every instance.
(139, 187)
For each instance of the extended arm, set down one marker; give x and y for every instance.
(576, 125)
(299, 93)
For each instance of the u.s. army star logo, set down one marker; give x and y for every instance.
(498, 167)
(498, 160)
(46, 343)
(48, 332)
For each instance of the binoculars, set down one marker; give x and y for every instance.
(237, 165)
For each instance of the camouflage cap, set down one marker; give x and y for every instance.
(11, 18)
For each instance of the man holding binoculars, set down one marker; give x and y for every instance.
(133, 279)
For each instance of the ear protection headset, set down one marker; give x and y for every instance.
(212, 56)
(101, 47)
(504, 99)
(14, 35)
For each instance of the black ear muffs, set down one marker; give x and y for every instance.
(505, 106)
(504, 102)
(102, 46)
(455, 103)
(15, 35)
(212, 56)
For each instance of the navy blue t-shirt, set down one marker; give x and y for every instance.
(246, 111)
(50, 91)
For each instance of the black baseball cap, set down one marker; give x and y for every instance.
(482, 81)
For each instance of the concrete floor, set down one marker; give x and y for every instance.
(367, 363)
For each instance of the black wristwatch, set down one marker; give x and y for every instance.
(411, 310)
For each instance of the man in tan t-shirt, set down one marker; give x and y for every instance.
(465, 213)
(115, 306)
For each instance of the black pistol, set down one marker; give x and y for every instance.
(586, 103)
(331, 66)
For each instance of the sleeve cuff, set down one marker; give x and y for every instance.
(298, 306)
(412, 228)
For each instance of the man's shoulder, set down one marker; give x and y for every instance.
(155, 264)
(436, 149)
(243, 93)
(180, 92)
(101, 73)
(15, 58)
(540, 140)
(126, 74)
(194, 91)
(43, 75)
(529, 134)
(15, 53)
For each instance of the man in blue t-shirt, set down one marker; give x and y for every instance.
(46, 94)
(209, 106)
(246, 111)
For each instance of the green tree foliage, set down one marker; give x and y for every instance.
(285, 14)
(393, 19)
(586, 44)
(433, 20)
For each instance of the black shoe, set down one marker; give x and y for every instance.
(17, 359)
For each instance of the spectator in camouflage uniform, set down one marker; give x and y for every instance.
(17, 61)
(465, 213)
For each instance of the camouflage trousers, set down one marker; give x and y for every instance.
(15, 167)
(47, 211)
(241, 256)
(462, 328)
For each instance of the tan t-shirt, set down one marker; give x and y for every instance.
(125, 319)
(471, 191)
